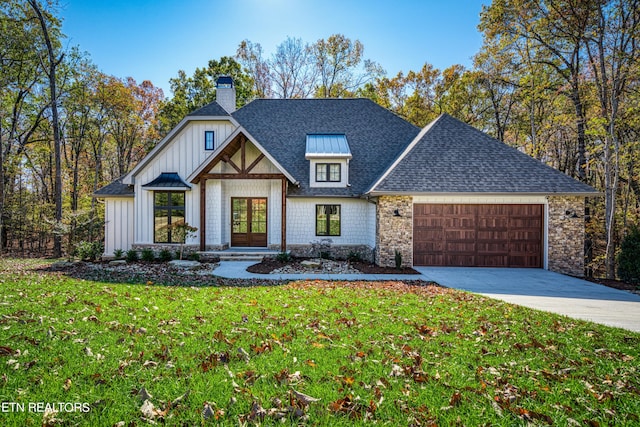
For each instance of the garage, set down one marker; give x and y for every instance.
(466, 235)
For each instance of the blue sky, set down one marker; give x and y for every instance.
(153, 39)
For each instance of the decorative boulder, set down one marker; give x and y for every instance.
(183, 264)
(311, 264)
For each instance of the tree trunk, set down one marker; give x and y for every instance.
(53, 64)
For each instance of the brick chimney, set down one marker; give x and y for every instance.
(226, 93)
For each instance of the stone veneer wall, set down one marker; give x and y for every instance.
(566, 235)
(394, 233)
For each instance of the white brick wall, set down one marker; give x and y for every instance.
(358, 222)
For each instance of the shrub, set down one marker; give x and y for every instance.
(398, 260)
(131, 255)
(118, 253)
(194, 256)
(354, 256)
(322, 247)
(89, 251)
(165, 255)
(283, 257)
(148, 255)
(629, 257)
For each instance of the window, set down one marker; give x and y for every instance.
(327, 172)
(327, 220)
(209, 140)
(168, 213)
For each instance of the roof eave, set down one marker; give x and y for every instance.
(113, 196)
(328, 156)
(468, 193)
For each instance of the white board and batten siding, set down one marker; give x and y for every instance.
(357, 222)
(118, 224)
(183, 155)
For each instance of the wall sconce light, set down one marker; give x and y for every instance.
(396, 212)
(570, 213)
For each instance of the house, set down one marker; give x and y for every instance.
(283, 173)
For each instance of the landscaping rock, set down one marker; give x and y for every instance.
(311, 264)
(118, 262)
(185, 265)
(61, 265)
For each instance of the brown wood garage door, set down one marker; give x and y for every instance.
(478, 235)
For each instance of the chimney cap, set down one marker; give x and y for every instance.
(224, 82)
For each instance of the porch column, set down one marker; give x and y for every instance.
(203, 220)
(283, 228)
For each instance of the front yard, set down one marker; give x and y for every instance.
(143, 349)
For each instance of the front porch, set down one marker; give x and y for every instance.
(242, 198)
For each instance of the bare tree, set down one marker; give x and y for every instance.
(292, 70)
(53, 63)
(613, 53)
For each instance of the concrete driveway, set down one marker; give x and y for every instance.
(545, 290)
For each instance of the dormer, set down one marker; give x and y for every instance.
(329, 156)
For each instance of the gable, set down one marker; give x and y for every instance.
(239, 156)
(450, 156)
(184, 142)
(375, 135)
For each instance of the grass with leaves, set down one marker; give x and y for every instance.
(304, 353)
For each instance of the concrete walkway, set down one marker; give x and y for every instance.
(238, 270)
(534, 288)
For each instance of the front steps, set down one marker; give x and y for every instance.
(240, 254)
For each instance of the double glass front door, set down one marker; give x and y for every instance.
(248, 222)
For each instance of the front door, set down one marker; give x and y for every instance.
(248, 222)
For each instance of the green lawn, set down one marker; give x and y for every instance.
(312, 353)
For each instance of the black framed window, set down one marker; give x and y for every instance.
(209, 140)
(327, 220)
(328, 172)
(168, 213)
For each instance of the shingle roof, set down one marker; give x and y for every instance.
(281, 126)
(453, 157)
(212, 109)
(115, 189)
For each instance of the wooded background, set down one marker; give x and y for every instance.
(559, 80)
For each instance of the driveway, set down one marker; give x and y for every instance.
(545, 290)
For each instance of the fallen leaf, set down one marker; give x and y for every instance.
(208, 412)
(304, 398)
(143, 394)
(455, 399)
(6, 351)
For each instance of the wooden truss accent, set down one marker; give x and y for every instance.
(243, 172)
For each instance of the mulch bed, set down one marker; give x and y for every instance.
(270, 264)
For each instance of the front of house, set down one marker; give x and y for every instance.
(283, 174)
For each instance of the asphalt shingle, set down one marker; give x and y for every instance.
(453, 157)
(115, 189)
(376, 136)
